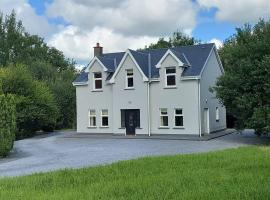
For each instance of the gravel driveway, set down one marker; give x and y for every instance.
(60, 150)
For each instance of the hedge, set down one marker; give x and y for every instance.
(7, 123)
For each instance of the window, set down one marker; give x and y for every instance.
(92, 118)
(170, 77)
(97, 81)
(217, 114)
(129, 79)
(163, 117)
(178, 117)
(104, 118)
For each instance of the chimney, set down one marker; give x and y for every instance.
(98, 50)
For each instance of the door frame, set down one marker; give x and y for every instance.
(206, 124)
(135, 119)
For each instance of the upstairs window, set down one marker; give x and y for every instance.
(178, 117)
(129, 79)
(170, 77)
(104, 118)
(92, 118)
(164, 117)
(217, 114)
(98, 81)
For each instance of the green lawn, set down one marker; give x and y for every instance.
(242, 173)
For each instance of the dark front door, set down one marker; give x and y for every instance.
(132, 118)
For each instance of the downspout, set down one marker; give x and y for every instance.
(148, 95)
(199, 108)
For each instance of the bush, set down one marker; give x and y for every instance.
(7, 123)
(35, 104)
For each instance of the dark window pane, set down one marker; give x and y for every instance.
(171, 80)
(164, 121)
(98, 84)
(178, 111)
(178, 120)
(97, 75)
(105, 121)
(170, 70)
(123, 120)
(130, 82)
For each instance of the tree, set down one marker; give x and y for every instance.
(177, 39)
(45, 64)
(35, 104)
(244, 88)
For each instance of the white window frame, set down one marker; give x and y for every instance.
(217, 114)
(90, 116)
(178, 115)
(129, 76)
(166, 77)
(94, 82)
(163, 115)
(104, 115)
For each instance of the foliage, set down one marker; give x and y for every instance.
(177, 39)
(48, 70)
(35, 103)
(241, 173)
(244, 88)
(7, 123)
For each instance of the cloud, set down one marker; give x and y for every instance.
(239, 11)
(33, 23)
(78, 44)
(128, 17)
(217, 42)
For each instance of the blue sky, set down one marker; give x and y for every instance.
(74, 26)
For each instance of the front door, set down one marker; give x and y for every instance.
(131, 121)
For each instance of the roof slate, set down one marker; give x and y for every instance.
(194, 57)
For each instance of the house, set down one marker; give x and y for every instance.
(157, 91)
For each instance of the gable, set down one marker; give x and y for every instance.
(128, 59)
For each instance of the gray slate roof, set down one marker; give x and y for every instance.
(194, 57)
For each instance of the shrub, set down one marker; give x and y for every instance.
(7, 123)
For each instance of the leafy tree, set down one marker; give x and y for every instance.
(45, 64)
(244, 88)
(35, 104)
(177, 39)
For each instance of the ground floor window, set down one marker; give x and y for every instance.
(104, 118)
(164, 117)
(178, 117)
(92, 118)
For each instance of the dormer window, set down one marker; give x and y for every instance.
(129, 79)
(97, 81)
(170, 77)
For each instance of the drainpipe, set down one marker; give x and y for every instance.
(148, 95)
(199, 107)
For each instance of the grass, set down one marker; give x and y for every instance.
(242, 173)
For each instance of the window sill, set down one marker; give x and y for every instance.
(97, 91)
(170, 87)
(122, 128)
(163, 127)
(178, 127)
(104, 127)
(91, 127)
(132, 88)
(138, 128)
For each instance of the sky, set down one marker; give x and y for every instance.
(75, 26)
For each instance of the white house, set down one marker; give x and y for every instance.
(159, 91)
